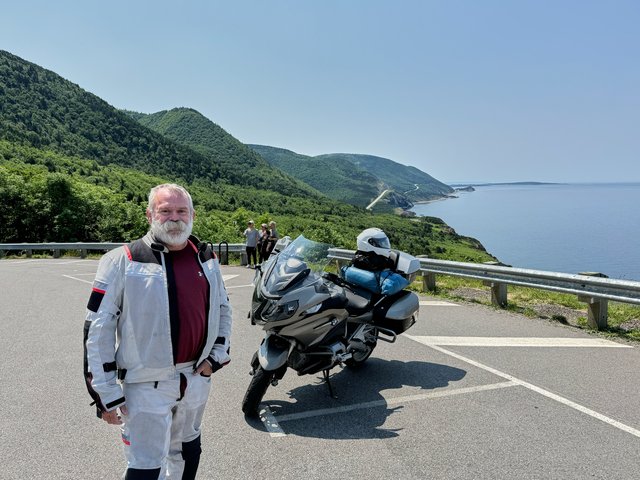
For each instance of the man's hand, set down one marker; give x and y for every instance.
(204, 368)
(112, 417)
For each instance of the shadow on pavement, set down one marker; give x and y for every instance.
(356, 387)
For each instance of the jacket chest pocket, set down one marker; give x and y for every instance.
(144, 280)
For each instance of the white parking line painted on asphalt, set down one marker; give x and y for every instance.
(438, 303)
(17, 263)
(393, 401)
(518, 342)
(270, 423)
(240, 286)
(541, 391)
(69, 262)
(78, 279)
(228, 277)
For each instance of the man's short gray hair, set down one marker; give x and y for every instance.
(172, 187)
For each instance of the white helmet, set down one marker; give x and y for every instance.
(374, 240)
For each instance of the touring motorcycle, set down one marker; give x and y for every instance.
(314, 320)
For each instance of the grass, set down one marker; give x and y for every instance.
(623, 318)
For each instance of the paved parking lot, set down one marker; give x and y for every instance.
(469, 392)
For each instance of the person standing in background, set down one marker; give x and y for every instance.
(158, 325)
(252, 236)
(263, 242)
(273, 237)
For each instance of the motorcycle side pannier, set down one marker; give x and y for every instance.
(396, 312)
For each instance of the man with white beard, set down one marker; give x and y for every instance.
(158, 325)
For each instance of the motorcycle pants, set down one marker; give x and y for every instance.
(161, 432)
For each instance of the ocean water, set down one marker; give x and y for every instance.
(568, 228)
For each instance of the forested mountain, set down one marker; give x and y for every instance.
(73, 168)
(357, 179)
(237, 163)
(338, 180)
(405, 180)
(43, 110)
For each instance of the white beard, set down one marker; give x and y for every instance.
(172, 234)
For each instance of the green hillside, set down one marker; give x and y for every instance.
(357, 179)
(73, 168)
(43, 110)
(338, 180)
(238, 164)
(405, 180)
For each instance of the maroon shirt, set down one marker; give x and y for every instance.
(192, 289)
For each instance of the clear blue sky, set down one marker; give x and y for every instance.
(465, 90)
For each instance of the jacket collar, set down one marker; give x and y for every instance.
(158, 246)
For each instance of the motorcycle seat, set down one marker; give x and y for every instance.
(358, 299)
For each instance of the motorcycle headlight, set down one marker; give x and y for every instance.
(313, 309)
(274, 312)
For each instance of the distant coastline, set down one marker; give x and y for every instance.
(468, 187)
(425, 202)
(492, 184)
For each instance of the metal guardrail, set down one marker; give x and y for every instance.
(590, 288)
(56, 248)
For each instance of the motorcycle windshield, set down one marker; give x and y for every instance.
(300, 259)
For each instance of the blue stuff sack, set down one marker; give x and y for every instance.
(391, 282)
(361, 278)
(385, 282)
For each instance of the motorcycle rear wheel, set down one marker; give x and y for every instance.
(256, 390)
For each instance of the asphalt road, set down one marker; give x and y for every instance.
(469, 393)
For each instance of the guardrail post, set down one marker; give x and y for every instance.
(597, 311)
(56, 253)
(223, 256)
(29, 253)
(243, 258)
(83, 253)
(429, 282)
(498, 293)
(498, 290)
(597, 308)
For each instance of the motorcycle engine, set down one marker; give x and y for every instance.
(312, 362)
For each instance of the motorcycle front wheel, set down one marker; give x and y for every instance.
(256, 390)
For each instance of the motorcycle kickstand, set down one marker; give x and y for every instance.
(325, 373)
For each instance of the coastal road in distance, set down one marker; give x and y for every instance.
(469, 392)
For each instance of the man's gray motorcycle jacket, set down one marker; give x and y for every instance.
(131, 327)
